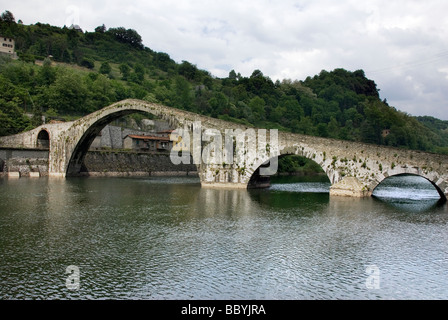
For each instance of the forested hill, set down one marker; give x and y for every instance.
(67, 73)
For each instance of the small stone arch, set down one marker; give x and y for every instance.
(43, 139)
(258, 181)
(433, 179)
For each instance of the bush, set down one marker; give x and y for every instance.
(88, 63)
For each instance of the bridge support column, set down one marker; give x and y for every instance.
(350, 187)
(57, 175)
(222, 176)
(224, 185)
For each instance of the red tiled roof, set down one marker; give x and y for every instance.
(133, 136)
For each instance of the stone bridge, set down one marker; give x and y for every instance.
(354, 169)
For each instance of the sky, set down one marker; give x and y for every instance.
(400, 44)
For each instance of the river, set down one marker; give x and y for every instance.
(168, 238)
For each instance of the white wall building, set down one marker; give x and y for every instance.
(7, 46)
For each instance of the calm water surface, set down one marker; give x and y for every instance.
(168, 238)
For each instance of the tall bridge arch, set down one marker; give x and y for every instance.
(354, 169)
(70, 145)
(94, 127)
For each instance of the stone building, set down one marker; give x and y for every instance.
(114, 137)
(7, 47)
(147, 143)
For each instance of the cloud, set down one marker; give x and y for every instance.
(399, 44)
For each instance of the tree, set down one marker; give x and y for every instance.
(47, 74)
(163, 61)
(105, 68)
(139, 74)
(88, 63)
(12, 120)
(333, 128)
(129, 36)
(188, 70)
(68, 94)
(7, 16)
(100, 29)
(8, 25)
(256, 105)
(36, 119)
(306, 126)
(101, 92)
(293, 110)
(277, 114)
(164, 95)
(322, 130)
(259, 85)
(183, 95)
(219, 104)
(256, 73)
(125, 71)
(232, 75)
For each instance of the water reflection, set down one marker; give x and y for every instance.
(408, 193)
(288, 192)
(286, 201)
(412, 206)
(168, 238)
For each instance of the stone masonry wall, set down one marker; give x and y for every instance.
(26, 162)
(110, 163)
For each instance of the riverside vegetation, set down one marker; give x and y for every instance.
(64, 73)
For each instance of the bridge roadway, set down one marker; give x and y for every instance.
(354, 169)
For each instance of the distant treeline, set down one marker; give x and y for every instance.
(80, 72)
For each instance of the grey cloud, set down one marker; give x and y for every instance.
(288, 39)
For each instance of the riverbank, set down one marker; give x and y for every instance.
(110, 163)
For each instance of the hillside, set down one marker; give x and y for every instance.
(65, 73)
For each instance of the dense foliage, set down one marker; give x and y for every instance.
(66, 73)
